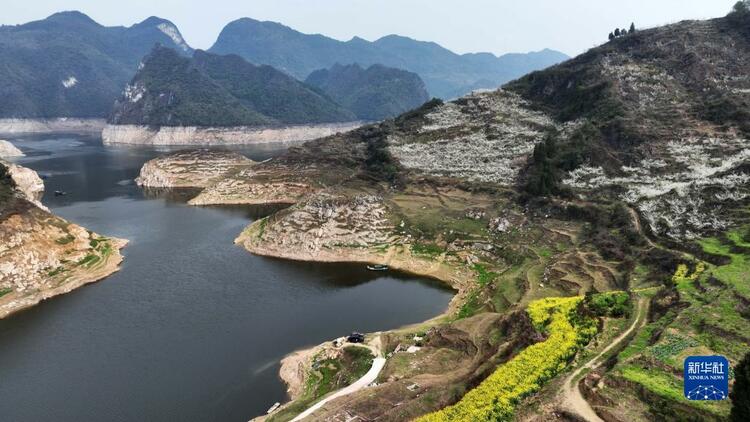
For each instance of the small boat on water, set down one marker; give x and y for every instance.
(273, 408)
(60, 193)
(377, 267)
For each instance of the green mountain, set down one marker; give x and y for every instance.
(213, 90)
(445, 73)
(375, 93)
(70, 66)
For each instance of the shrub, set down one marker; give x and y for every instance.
(609, 304)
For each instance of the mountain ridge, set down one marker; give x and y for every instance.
(445, 73)
(212, 90)
(375, 93)
(68, 65)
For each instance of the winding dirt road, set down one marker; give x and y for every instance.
(573, 400)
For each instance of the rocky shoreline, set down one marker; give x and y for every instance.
(193, 135)
(43, 255)
(56, 125)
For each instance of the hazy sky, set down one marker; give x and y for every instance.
(497, 26)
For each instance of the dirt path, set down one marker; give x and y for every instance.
(573, 400)
(371, 375)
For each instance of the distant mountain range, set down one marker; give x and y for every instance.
(70, 66)
(445, 73)
(214, 90)
(375, 93)
(67, 65)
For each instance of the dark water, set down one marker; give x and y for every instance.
(192, 327)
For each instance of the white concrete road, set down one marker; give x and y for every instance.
(367, 379)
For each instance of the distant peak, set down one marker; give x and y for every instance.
(71, 16)
(169, 29)
(254, 22)
(153, 21)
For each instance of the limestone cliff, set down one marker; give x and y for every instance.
(194, 135)
(59, 125)
(8, 150)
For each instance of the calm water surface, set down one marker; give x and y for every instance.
(192, 327)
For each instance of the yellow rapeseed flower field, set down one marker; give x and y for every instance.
(496, 397)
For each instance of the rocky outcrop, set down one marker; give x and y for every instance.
(190, 169)
(27, 182)
(193, 135)
(42, 255)
(8, 150)
(315, 228)
(243, 189)
(61, 125)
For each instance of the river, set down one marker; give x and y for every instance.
(193, 327)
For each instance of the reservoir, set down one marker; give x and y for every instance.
(192, 327)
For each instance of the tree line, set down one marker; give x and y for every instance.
(617, 33)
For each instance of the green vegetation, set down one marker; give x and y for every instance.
(373, 94)
(554, 157)
(4, 291)
(89, 260)
(426, 249)
(656, 353)
(738, 271)
(39, 55)
(471, 306)
(447, 75)
(65, 239)
(328, 375)
(667, 386)
(671, 346)
(497, 396)
(211, 90)
(484, 276)
(609, 304)
(56, 271)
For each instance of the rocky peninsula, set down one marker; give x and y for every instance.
(43, 255)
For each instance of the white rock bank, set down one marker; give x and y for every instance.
(193, 135)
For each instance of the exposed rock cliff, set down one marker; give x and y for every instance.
(192, 135)
(61, 125)
(8, 150)
(190, 169)
(28, 183)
